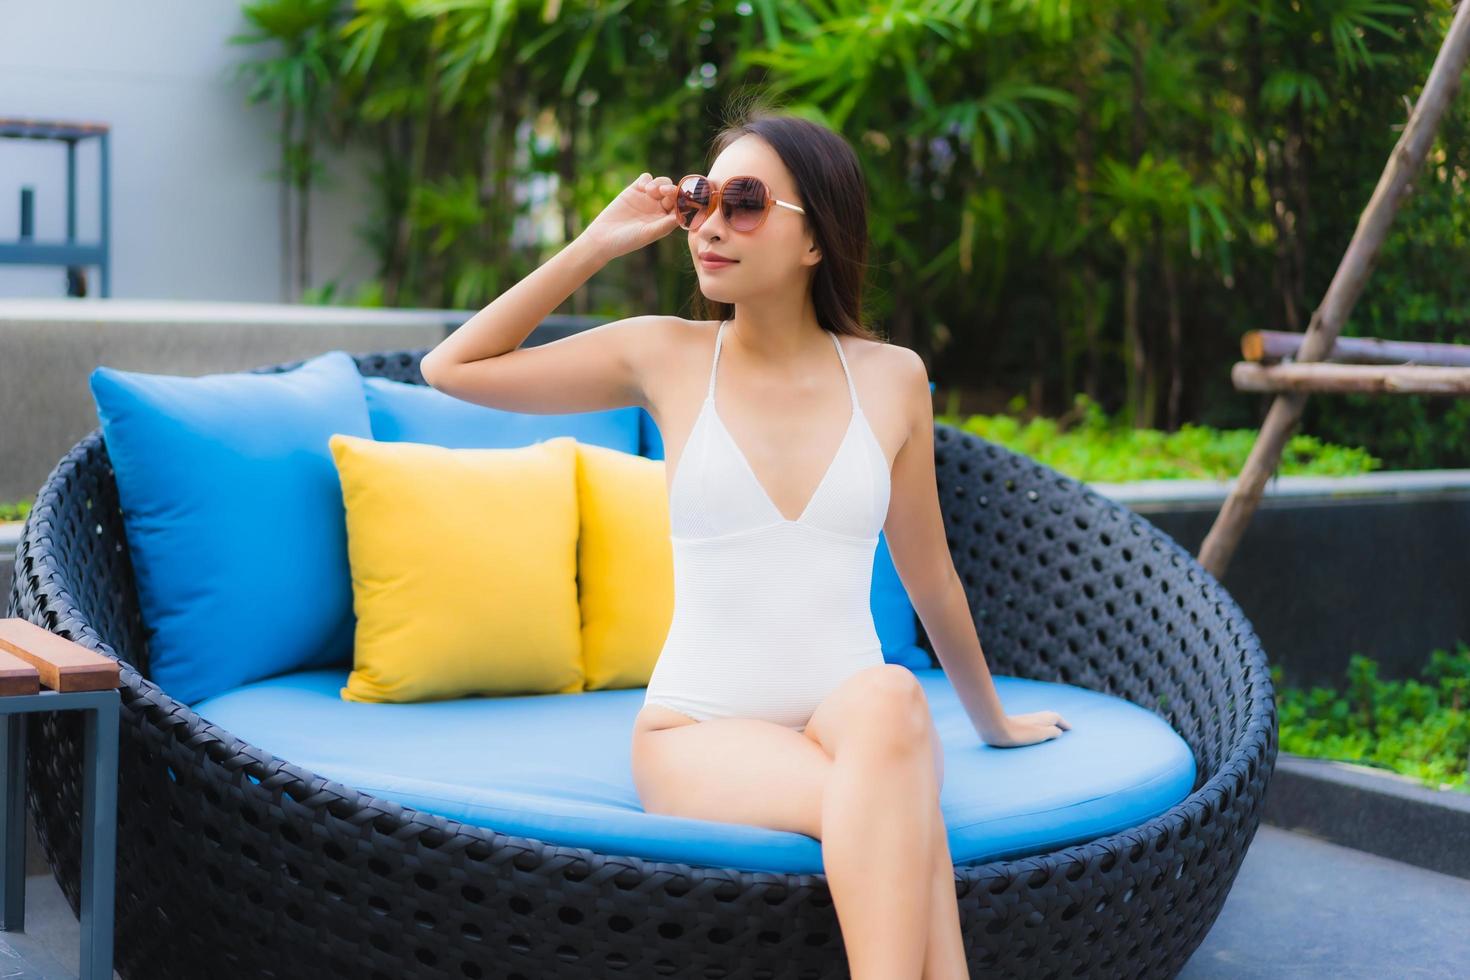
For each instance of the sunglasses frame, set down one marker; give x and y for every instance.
(716, 201)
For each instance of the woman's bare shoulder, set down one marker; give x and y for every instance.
(898, 389)
(663, 331)
(693, 327)
(680, 338)
(670, 353)
(895, 363)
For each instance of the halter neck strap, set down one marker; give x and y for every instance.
(846, 372)
(719, 335)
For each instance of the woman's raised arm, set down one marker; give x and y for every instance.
(483, 361)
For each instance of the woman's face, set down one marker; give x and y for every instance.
(774, 256)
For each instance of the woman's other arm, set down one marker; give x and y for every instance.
(916, 540)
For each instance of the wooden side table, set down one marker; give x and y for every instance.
(75, 679)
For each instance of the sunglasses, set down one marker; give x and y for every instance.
(744, 201)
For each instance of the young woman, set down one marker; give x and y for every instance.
(770, 703)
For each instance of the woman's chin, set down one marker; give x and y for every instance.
(715, 294)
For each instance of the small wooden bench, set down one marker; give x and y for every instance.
(31, 656)
(41, 671)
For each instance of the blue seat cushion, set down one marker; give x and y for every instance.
(234, 517)
(403, 412)
(555, 767)
(893, 613)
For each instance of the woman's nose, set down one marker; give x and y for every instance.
(713, 221)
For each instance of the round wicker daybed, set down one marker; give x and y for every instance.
(234, 863)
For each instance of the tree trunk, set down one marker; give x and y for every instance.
(1090, 314)
(303, 203)
(284, 197)
(566, 178)
(1134, 357)
(1297, 181)
(500, 254)
(1133, 336)
(1176, 341)
(1281, 219)
(393, 181)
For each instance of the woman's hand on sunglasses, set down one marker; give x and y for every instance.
(642, 213)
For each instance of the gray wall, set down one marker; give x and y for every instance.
(194, 209)
(1327, 575)
(49, 347)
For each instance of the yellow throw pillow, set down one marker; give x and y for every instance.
(625, 565)
(464, 569)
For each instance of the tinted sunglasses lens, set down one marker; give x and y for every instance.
(744, 203)
(692, 204)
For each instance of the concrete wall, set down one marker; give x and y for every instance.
(1330, 566)
(49, 347)
(194, 208)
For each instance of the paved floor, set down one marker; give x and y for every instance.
(1300, 907)
(50, 948)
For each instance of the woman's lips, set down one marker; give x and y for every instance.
(716, 263)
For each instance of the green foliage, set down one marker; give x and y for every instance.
(16, 511)
(1419, 291)
(1087, 444)
(1419, 728)
(1064, 197)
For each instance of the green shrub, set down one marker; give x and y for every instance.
(16, 511)
(1087, 444)
(1419, 728)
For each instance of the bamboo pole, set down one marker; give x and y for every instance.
(1277, 345)
(1347, 283)
(1368, 379)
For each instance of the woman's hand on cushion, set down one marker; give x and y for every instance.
(1027, 729)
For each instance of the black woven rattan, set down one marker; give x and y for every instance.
(234, 863)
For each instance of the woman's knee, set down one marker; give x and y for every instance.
(882, 709)
(896, 708)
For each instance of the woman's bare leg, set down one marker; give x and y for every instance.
(881, 868)
(944, 955)
(878, 823)
(737, 770)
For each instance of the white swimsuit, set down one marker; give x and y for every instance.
(770, 614)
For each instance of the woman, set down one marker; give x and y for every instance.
(770, 703)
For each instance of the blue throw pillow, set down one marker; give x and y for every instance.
(893, 614)
(234, 517)
(650, 440)
(403, 412)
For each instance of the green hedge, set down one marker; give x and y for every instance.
(1419, 728)
(1088, 444)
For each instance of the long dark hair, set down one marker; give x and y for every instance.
(829, 179)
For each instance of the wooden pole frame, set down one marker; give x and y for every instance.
(1347, 283)
(1364, 379)
(1282, 345)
